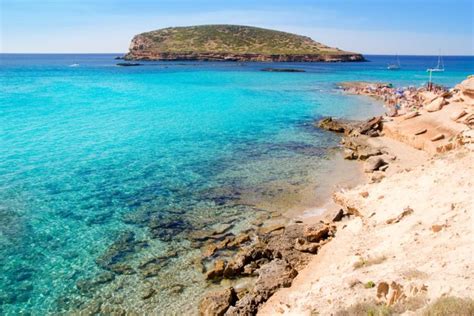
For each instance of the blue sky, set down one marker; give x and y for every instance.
(367, 26)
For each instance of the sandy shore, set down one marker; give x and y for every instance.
(407, 245)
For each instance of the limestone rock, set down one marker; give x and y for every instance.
(360, 147)
(274, 275)
(337, 215)
(371, 127)
(304, 246)
(456, 116)
(317, 232)
(332, 125)
(407, 211)
(411, 115)
(468, 120)
(437, 137)
(435, 105)
(217, 271)
(269, 229)
(217, 303)
(420, 131)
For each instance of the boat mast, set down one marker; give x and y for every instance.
(430, 84)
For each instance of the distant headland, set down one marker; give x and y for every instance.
(232, 43)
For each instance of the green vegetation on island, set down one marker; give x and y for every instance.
(232, 42)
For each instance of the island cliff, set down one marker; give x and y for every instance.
(232, 43)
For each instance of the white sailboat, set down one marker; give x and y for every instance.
(439, 67)
(394, 66)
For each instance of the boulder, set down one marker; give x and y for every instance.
(359, 147)
(435, 105)
(274, 275)
(373, 163)
(217, 271)
(467, 89)
(371, 127)
(217, 303)
(332, 125)
(317, 232)
(246, 255)
(428, 96)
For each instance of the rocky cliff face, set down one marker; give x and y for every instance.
(232, 43)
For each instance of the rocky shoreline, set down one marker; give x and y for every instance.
(144, 55)
(286, 250)
(382, 260)
(274, 254)
(272, 257)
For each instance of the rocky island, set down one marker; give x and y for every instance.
(232, 43)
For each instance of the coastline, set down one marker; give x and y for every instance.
(380, 260)
(341, 251)
(120, 259)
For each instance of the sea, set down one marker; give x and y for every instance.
(107, 172)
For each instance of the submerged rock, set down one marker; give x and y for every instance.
(88, 285)
(283, 70)
(122, 249)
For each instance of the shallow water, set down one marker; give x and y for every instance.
(103, 165)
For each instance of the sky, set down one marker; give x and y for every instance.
(405, 27)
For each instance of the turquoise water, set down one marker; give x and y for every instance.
(98, 159)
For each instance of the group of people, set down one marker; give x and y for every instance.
(397, 100)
